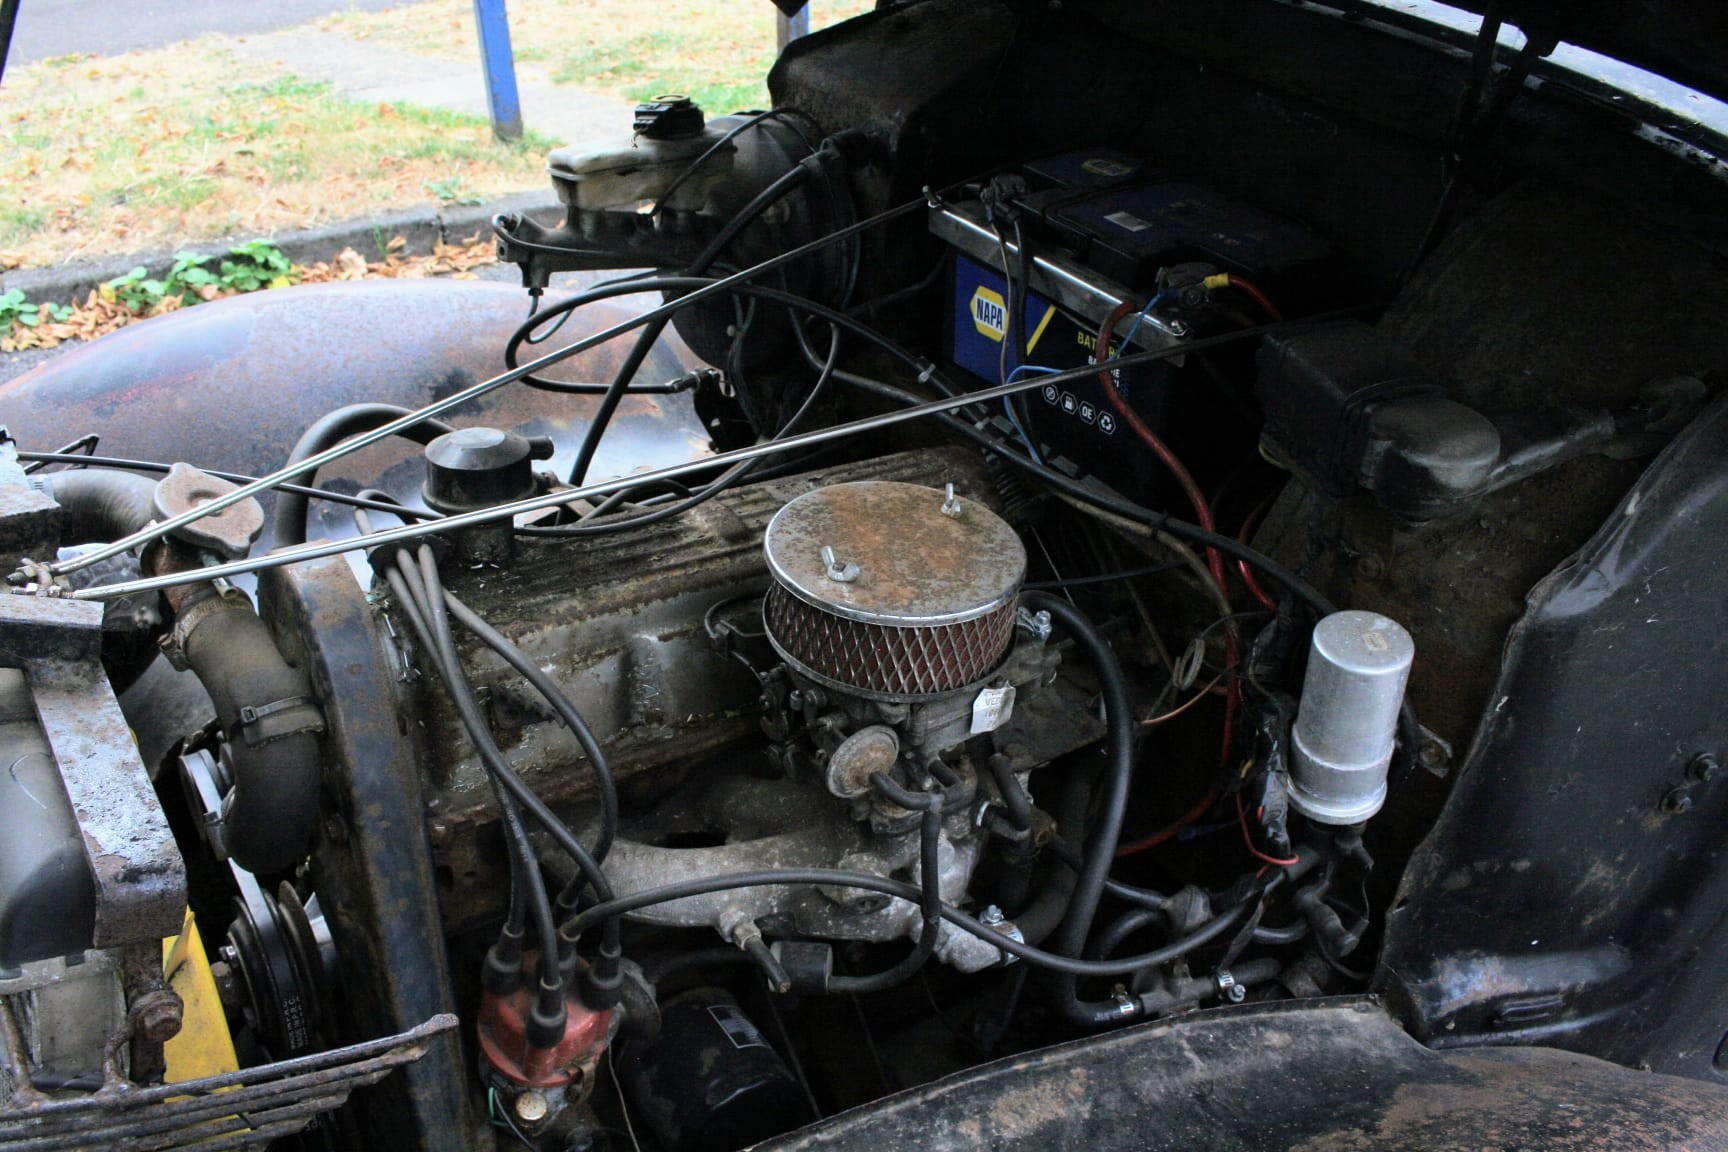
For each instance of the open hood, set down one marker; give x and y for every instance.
(1685, 41)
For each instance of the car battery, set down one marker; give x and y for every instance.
(1100, 227)
(1074, 419)
(1128, 233)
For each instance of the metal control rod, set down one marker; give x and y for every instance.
(162, 528)
(606, 487)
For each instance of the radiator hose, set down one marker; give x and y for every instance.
(265, 705)
(99, 506)
(267, 712)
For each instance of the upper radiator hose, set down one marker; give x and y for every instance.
(264, 704)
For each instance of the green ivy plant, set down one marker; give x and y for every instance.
(14, 307)
(255, 264)
(248, 267)
(136, 289)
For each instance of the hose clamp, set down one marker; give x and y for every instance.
(252, 716)
(190, 615)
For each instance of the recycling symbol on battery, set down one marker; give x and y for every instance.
(1106, 423)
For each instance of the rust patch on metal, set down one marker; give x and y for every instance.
(915, 564)
(1019, 1113)
(1538, 1099)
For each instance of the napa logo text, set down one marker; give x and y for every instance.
(989, 314)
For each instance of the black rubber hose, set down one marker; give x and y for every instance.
(1143, 897)
(272, 810)
(609, 911)
(99, 506)
(1102, 839)
(1252, 972)
(1019, 853)
(1041, 916)
(288, 524)
(555, 696)
(1289, 934)
(1121, 928)
(929, 901)
(1014, 798)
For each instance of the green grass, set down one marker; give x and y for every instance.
(193, 143)
(715, 51)
(651, 65)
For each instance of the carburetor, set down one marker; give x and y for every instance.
(894, 608)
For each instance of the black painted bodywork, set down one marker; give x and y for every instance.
(1574, 890)
(1320, 1076)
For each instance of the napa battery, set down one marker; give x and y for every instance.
(1074, 419)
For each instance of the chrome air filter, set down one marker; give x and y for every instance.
(893, 591)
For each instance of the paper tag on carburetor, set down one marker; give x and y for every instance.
(992, 708)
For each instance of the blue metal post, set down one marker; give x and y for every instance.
(789, 28)
(499, 64)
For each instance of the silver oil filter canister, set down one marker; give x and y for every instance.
(1358, 664)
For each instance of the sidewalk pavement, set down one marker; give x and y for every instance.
(362, 71)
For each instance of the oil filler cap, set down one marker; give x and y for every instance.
(480, 468)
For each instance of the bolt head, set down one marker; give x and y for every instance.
(1677, 801)
(531, 1107)
(1235, 993)
(159, 1017)
(229, 988)
(1704, 768)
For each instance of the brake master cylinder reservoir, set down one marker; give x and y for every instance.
(1358, 664)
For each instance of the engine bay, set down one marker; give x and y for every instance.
(1182, 571)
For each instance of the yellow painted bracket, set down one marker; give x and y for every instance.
(204, 1046)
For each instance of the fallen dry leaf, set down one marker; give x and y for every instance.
(350, 265)
(97, 316)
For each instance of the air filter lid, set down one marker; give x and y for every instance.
(895, 555)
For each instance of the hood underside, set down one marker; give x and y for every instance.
(1684, 40)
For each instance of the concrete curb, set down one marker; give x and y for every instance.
(421, 227)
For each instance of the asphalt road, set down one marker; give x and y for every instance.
(60, 27)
